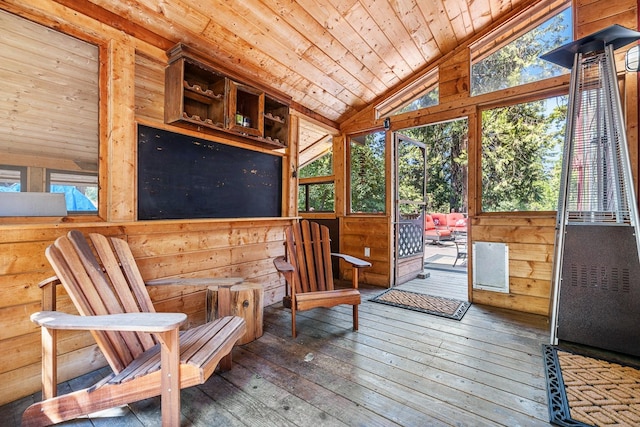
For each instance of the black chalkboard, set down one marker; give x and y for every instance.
(182, 177)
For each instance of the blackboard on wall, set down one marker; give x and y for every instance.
(181, 177)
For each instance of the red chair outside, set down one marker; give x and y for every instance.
(457, 222)
(434, 233)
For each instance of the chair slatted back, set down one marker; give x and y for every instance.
(103, 278)
(309, 251)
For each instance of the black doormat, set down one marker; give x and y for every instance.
(585, 391)
(438, 306)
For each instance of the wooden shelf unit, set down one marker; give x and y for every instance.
(198, 95)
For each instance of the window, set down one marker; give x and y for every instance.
(522, 155)
(501, 60)
(316, 190)
(367, 185)
(50, 96)
(80, 190)
(429, 99)
(12, 178)
(421, 93)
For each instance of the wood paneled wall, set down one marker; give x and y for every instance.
(163, 249)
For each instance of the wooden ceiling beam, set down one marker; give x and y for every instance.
(102, 15)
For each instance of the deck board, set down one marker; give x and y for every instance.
(401, 368)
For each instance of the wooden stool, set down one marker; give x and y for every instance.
(244, 300)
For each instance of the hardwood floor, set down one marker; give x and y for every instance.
(401, 368)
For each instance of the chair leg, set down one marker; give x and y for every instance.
(293, 319)
(355, 317)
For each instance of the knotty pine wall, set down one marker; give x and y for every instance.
(131, 92)
(530, 236)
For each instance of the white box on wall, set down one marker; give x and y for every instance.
(32, 204)
(491, 266)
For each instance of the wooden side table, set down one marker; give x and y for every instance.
(244, 300)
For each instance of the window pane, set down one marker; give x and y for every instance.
(322, 166)
(522, 155)
(429, 99)
(316, 197)
(12, 179)
(367, 184)
(80, 190)
(519, 61)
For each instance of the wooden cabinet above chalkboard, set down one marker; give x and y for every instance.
(202, 96)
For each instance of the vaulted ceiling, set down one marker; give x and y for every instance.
(332, 57)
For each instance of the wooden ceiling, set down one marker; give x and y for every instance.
(333, 57)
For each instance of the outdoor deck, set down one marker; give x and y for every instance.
(402, 368)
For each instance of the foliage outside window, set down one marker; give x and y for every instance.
(522, 155)
(367, 184)
(316, 190)
(519, 61)
(429, 99)
(446, 165)
(410, 177)
(421, 93)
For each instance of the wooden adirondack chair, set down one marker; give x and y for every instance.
(148, 355)
(308, 272)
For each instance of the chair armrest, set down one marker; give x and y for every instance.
(204, 281)
(282, 265)
(135, 322)
(356, 262)
(53, 280)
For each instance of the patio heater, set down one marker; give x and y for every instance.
(596, 295)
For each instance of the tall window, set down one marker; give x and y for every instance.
(498, 62)
(522, 155)
(316, 186)
(367, 173)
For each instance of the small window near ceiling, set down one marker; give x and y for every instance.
(367, 184)
(510, 56)
(316, 189)
(80, 190)
(419, 94)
